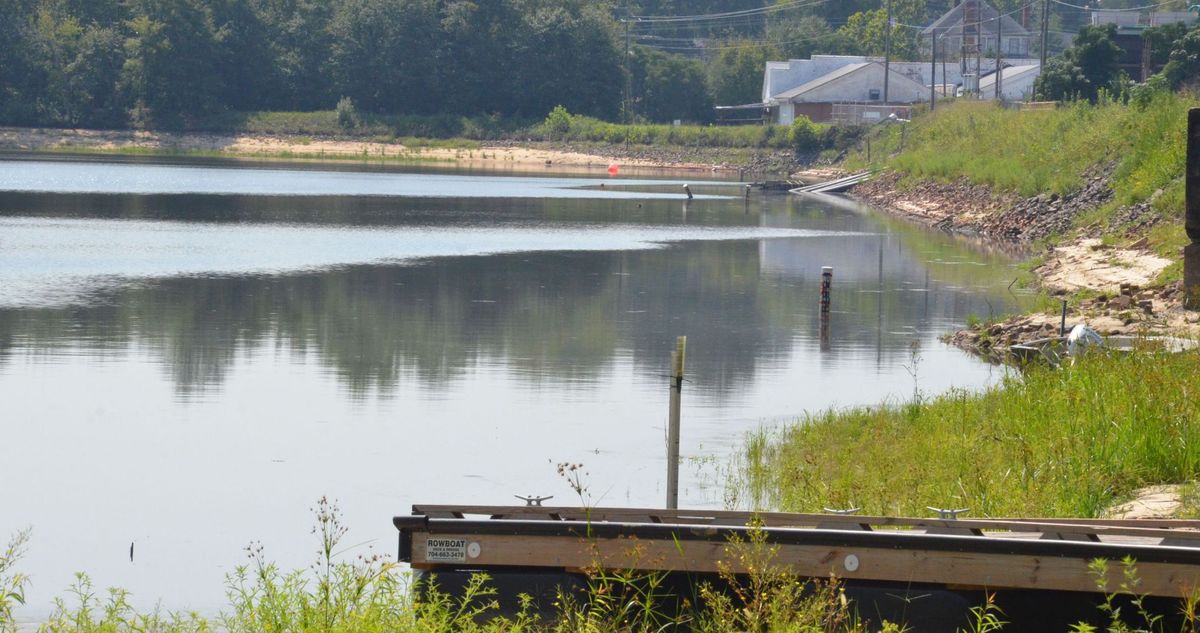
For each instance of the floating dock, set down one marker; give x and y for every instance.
(1043, 564)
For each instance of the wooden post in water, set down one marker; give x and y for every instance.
(826, 300)
(1191, 252)
(826, 288)
(677, 362)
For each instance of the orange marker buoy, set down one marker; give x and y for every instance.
(613, 169)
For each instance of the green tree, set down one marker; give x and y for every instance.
(1184, 65)
(245, 63)
(93, 80)
(19, 81)
(565, 53)
(299, 40)
(1062, 80)
(168, 69)
(736, 73)
(868, 30)
(1097, 56)
(383, 54)
(1085, 69)
(668, 87)
(1162, 40)
(801, 38)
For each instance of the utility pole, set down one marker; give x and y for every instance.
(999, 52)
(628, 70)
(932, 69)
(978, 46)
(887, 52)
(944, 55)
(1045, 30)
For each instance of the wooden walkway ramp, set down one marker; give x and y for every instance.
(989, 554)
(835, 186)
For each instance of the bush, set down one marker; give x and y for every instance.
(347, 114)
(558, 123)
(803, 135)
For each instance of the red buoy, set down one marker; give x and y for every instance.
(613, 169)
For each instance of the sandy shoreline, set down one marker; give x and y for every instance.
(313, 148)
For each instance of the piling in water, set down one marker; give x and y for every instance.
(826, 287)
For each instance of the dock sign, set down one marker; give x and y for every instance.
(446, 550)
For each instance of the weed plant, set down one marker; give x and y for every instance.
(371, 595)
(12, 582)
(1067, 442)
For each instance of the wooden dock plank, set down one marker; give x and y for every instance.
(990, 570)
(1179, 532)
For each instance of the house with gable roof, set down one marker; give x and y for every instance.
(973, 26)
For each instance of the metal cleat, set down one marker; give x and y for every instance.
(533, 500)
(842, 525)
(945, 513)
(951, 515)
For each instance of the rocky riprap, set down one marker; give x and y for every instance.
(963, 207)
(1131, 311)
(1049, 214)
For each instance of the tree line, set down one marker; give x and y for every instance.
(166, 62)
(178, 63)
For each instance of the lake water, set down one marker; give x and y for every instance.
(192, 354)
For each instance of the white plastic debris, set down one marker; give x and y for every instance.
(1081, 338)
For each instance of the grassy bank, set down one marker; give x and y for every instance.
(1050, 443)
(1036, 152)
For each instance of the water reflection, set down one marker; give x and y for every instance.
(553, 318)
(197, 353)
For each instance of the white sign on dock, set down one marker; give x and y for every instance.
(446, 550)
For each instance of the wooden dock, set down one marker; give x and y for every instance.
(959, 555)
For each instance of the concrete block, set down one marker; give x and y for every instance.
(1191, 276)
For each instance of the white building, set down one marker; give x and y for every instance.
(858, 83)
(1016, 83)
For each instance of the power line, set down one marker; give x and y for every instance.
(729, 14)
(1149, 6)
(980, 20)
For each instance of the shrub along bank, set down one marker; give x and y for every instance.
(1068, 442)
(1048, 443)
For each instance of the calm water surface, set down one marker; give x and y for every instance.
(191, 355)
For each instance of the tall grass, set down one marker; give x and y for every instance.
(1046, 151)
(1053, 443)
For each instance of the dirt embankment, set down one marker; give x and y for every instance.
(507, 154)
(1122, 298)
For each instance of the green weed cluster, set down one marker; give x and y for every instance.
(1051, 443)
